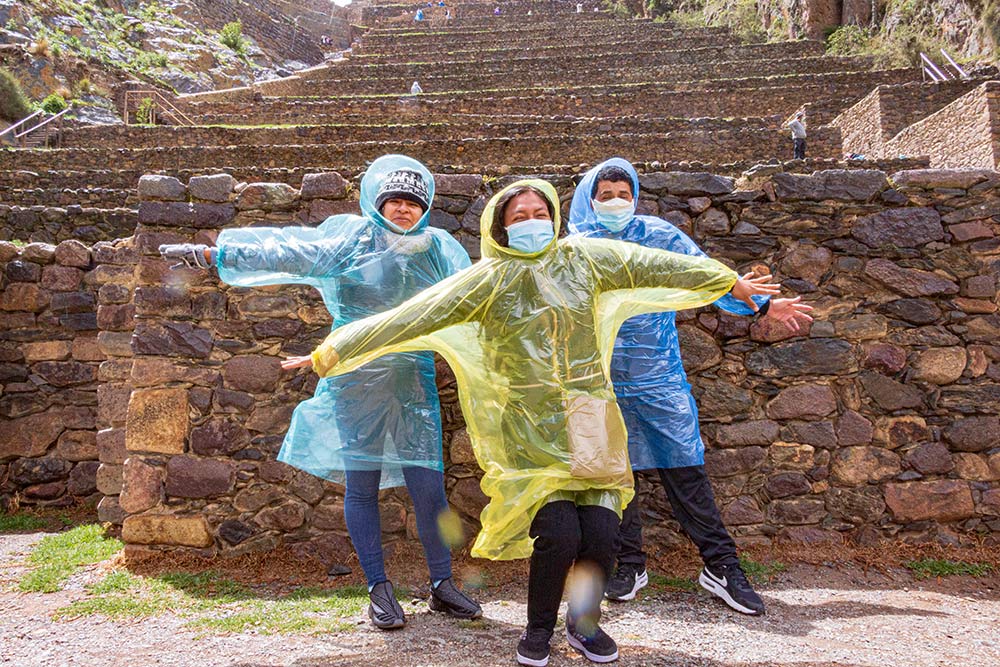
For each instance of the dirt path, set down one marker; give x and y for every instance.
(817, 616)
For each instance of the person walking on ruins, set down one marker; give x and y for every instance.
(798, 128)
(655, 397)
(379, 426)
(415, 89)
(528, 331)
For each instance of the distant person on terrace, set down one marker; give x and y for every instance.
(798, 128)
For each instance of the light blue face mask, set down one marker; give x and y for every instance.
(614, 214)
(530, 235)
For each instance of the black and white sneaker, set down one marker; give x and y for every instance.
(595, 646)
(627, 580)
(384, 611)
(533, 649)
(731, 585)
(445, 597)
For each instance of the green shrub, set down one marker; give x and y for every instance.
(232, 36)
(54, 103)
(144, 113)
(14, 105)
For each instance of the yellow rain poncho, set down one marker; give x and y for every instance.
(529, 337)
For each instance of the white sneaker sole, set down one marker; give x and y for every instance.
(640, 582)
(719, 591)
(593, 657)
(521, 660)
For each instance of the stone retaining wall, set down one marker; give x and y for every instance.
(52, 224)
(961, 134)
(881, 420)
(49, 357)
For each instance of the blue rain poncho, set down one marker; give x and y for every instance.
(387, 414)
(529, 336)
(650, 383)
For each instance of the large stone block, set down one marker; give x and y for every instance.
(718, 398)
(460, 448)
(31, 435)
(39, 471)
(940, 365)
(219, 437)
(467, 497)
(180, 214)
(853, 429)
(853, 466)
(742, 511)
(815, 356)
(190, 477)
(942, 500)
(77, 446)
(286, 516)
(252, 373)
(808, 262)
(214, 188)
(908, 282)
(257, 496)
(910, 227)
(24, 296)
(863, 504)
(331, 185)
(796, 511)
(61, 278)
(141, 486)
(166, 529)
(49, 350)
(73, 253)
(166, 188)
(930, 458)
(699, 349)
(162, 300)
(929, 179)
(266, 196)
(803, 400)
(902, 431)
(889, 394)
(728, 462)
(784, 484)
(83, 479)
(172, 339)
(752, 432)
(974, 434)
(839, 184)
(157, 420)
(687, 184)
(109, 479)
(915, 311)
(65, 373)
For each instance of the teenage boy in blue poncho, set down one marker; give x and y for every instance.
(655, 397)
(379, 426)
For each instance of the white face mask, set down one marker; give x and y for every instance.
(530, 235)
(615, 213)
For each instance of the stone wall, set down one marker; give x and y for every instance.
(52, 224)
(879, 421)
(49, 356)
(961, 134)
(887, 110)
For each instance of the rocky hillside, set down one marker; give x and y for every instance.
(85, 49)
(893, 30)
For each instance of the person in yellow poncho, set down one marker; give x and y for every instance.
(529, 332)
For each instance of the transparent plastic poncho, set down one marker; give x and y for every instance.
(652, 388)
(529, 336)
(387, 414)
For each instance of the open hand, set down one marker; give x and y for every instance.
(297, 362)
(748, 286)
(790, 312)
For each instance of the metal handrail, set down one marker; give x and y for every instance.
(43, 123)
(179, 116)
(928, 63)
(961, 72)
(20, 123)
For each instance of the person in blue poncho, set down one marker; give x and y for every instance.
(655, 398)
(379, 426)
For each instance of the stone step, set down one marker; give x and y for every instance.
(151, 137)
(728, 101)
(706, 146)
(430, 82)
(510, 10)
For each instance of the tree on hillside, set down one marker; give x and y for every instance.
(14, 104)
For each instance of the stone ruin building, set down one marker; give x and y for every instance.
(157, 395)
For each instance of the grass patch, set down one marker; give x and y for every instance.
(57, 556)
(660, 583)
(473, 624)
(213, 603)
(928, 568)
(20, 522)
(759, 572)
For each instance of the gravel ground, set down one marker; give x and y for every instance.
(817, 617)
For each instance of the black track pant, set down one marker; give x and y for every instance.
(690, 494)
(566, 534)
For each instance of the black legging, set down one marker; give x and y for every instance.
(690, 493)
(566, 534)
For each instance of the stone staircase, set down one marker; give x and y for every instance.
(503, 94)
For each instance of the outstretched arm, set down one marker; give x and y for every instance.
(452, 301)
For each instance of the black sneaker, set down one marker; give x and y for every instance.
(533, 649)
(445, 597)
(595, 646)
(384, 611)
(730, 583)
(627, 580)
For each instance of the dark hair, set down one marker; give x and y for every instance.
(613, 174)
(497, 230)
